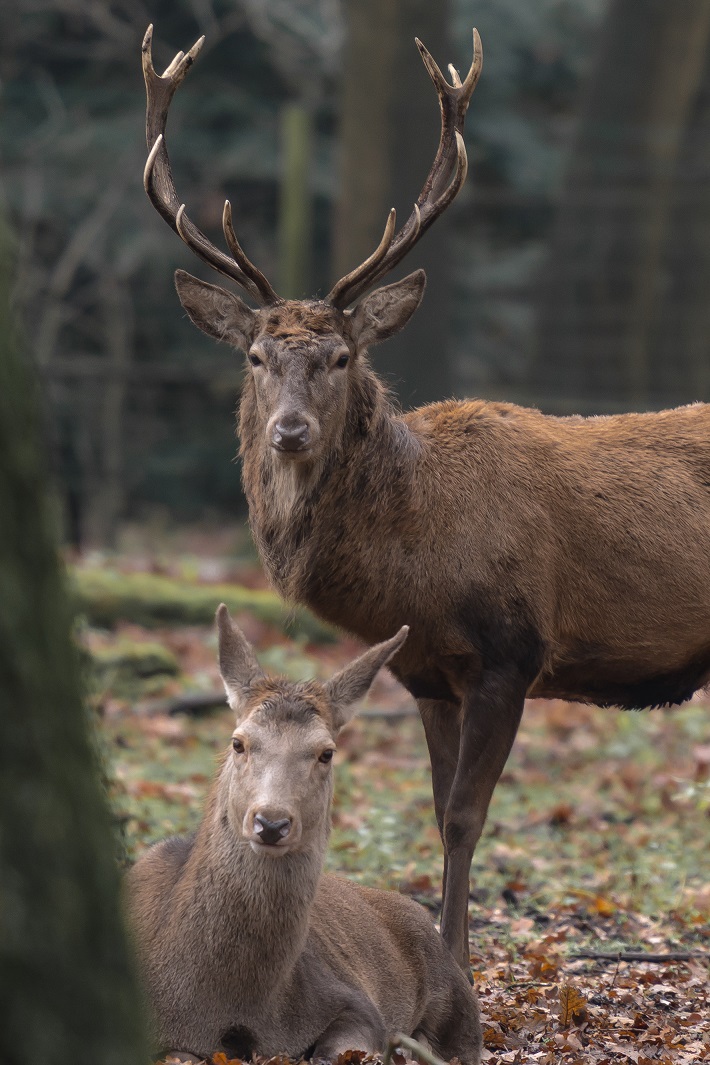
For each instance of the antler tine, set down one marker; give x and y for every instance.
(158, 178)
(455, 76)
(432, 66)
(259, 280)
(476, 67)
(444, 181)
(362, 272)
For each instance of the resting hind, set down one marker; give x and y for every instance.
(245, 945)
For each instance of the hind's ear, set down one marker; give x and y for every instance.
(215, 311)
(387, 310)
(237, 662)
(353, 682)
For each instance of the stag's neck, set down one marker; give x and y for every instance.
(251, 910)
(292, 506)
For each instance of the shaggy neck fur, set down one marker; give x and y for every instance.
(286, 502)
(256, 907)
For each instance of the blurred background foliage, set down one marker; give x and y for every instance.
(571, 274)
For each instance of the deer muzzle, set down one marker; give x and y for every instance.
(292, 435)
(271, 831)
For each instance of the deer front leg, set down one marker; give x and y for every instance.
(490, 718)
(442, 728)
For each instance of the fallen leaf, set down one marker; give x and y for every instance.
(573, 1006)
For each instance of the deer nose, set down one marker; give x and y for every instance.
(290, 435)
(271, 832)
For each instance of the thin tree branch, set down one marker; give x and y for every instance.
(203, 702)
(418, 1049)
(639, 955)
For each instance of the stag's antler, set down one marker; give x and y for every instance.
(447, 175)
(159, 185)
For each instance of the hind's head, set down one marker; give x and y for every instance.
(278, 772)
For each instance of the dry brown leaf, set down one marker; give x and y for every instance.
(573, 1006)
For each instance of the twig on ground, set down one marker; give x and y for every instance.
(632, 955)
(203, 702)
(419, 1051)
(187, 703)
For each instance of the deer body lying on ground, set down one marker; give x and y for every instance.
(245, 945)
(530, 555)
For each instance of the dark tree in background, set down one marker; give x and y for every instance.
(623, 305)
(67, 990)
(314, 133)
(389, 132)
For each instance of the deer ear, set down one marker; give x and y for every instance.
(237, 663)
(387, 310)
(216, 311)
(353, 682)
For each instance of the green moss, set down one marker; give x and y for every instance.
(128, 668)
(106, 596)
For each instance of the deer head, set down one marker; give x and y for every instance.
(302, 353)
(278, 774)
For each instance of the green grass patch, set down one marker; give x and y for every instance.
(106, 596)
(605, 812)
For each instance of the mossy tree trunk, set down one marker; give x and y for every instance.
(67, 989)
(605, 294)
(388, 139)
(296, 204)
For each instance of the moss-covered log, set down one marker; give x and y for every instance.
(106, 596)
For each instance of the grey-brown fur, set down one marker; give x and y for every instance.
(530, 555)
(250, 952)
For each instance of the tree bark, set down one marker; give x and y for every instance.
(67, 989)
(296, 203)
(602, 295)
(683, 341)
(106, 489)
(388, 139)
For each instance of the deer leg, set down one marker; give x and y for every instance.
(491, 715)
(441, 722)
(358, 1025)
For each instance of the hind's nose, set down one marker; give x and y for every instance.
(271, 832)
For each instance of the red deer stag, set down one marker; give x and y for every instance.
(246, 947)
(530, 555)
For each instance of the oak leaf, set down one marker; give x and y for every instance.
(573, 1006)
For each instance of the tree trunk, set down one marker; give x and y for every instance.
(106, 491)
(602, 295)
(682, 351)
(296, 205)
(388, 139)
(67, 990)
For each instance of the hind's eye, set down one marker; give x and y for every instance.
(254, 359)
(327, 756)
(343, 361)
(238, 745)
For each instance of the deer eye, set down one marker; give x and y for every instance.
(254, 359)
(238, 745)
(326, 756)
(342, 361)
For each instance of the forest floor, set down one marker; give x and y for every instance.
(590, 899)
